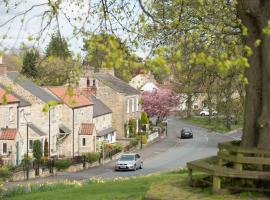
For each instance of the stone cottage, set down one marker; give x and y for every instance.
(121, 98)
(79, 133)
(102, 118)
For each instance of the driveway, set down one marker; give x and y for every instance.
(167, 154)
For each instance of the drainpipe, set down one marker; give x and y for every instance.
(73, 132)
(18, 118)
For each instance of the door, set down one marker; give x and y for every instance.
(17, 153)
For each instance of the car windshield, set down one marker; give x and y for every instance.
(127, 157)
(186, 129)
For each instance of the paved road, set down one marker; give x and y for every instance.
(167, 154)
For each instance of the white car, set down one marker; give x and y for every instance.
(206, 112)
(129, 161)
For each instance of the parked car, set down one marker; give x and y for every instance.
(206, 112)
(186, 133)
(129, 161)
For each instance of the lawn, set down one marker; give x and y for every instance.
(169, 186)
(216, 124)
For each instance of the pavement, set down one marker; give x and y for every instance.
(167, 154)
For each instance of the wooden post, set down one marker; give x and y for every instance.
(216, 184)
(190, 182)
(238, 166)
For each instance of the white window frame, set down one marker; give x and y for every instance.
(127, 105)
(84, 140)
(22, 119)
(4, 153)
(11, 114)
(132, 105)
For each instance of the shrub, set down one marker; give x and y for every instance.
(118, 147)
(4, 172)
(92, 157)
(134, 142)
(62, 164)
(37, 150)
(144, 139)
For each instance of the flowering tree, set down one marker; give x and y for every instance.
(159, 103)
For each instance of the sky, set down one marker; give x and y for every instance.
(25, 28)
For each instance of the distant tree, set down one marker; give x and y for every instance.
(108, 51)
(58, 47)
(55, 71)
(30, 63)
(159, 103)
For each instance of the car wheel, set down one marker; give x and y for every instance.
(141, 166)
(202, 114)
(135, 168)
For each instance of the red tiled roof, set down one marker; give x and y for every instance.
(8, 134)
(87, 129)
(74, 100)
(9, 98)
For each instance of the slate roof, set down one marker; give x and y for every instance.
(105, 132)
(77, 100)
(8, 134)
(99, 107)
(31, 87)
(116, 84)
(87, 129)
(22, 102)
(36, 129)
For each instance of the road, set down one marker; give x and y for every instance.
(167, 154)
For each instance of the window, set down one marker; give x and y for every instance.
(128, 106)
(30, 144)
(132, 105)
(11, 114)
(94, 82)
(83, 142)
(4, 148)
(87, 82)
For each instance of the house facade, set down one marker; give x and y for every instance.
(78, 132)
(121, 98)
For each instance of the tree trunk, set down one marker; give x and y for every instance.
(254, 15)
(189, 105)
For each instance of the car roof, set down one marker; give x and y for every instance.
(129, 154)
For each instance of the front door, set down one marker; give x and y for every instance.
(17, 153)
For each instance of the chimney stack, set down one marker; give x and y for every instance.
(3, 68)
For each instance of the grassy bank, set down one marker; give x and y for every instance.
(165, 186)
(215, 125)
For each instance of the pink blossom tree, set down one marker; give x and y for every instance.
(159, 103)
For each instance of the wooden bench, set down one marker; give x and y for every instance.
(229, 164)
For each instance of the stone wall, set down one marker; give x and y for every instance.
(8, 115)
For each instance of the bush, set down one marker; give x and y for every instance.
(92, 157)
(134, 142)
(118, 147)
(62, 164)
(144, 139)
(4, 172)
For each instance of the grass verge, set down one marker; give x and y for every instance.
(216, 124)
(167, 186)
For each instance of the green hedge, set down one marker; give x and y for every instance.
(92, 157)
(62, 164)
(4, 172)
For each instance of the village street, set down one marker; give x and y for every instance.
(167, 154)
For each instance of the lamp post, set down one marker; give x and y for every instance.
(27, 152)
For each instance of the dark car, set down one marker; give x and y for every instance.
(186, 133)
